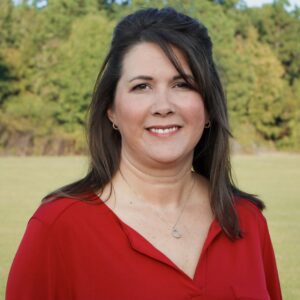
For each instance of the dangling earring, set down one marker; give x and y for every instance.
(207, 125)
(114, 126)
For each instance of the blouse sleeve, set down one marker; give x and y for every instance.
(36, 272)
(271, 272)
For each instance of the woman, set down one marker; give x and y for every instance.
(159, 216)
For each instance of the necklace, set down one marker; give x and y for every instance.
(175, 233)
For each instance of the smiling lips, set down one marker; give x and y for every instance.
(163, 130)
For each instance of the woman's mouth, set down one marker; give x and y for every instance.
(164, 130)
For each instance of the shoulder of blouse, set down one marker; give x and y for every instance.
(249, 214)
(252, 221)
(246, 205)
(49, 212)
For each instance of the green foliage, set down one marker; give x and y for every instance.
(50, 57)
(281, 31)
(5, 81)
(80, 59)
(263, 105)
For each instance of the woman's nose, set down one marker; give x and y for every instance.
(162, 104)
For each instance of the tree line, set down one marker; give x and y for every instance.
(50, 56)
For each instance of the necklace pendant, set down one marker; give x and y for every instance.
(176, 234)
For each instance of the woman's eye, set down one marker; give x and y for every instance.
(182, 85)
(141, 86)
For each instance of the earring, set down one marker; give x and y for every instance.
(207, 125)
(114, 126)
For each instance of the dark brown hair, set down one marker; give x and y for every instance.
(167, 28)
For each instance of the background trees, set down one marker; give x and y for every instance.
(50, 56)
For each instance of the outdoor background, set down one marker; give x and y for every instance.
(50, 54)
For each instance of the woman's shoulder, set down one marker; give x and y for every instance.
(52, 210)
(249, 213)
(49, 211)
(247, 205)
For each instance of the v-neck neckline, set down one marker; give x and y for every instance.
(142, 245)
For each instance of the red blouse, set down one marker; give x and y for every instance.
(76, 250)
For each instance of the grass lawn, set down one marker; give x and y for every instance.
(275, 178)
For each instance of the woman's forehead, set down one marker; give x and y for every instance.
(149, 58)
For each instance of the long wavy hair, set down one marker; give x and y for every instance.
(167, 28)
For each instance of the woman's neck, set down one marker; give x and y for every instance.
(162, 187)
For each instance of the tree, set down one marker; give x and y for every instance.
(50, 56)
(70, 84)
(281, 30)
(8, 55)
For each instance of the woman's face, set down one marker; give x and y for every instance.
(159, 117)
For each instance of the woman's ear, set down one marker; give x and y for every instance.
(111, 115)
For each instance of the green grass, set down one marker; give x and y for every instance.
(275, 178)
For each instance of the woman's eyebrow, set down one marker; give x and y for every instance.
(149, 78)
(143, 77)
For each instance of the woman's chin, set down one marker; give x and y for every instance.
(159, 157)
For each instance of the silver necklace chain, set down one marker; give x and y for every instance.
(174, 230)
